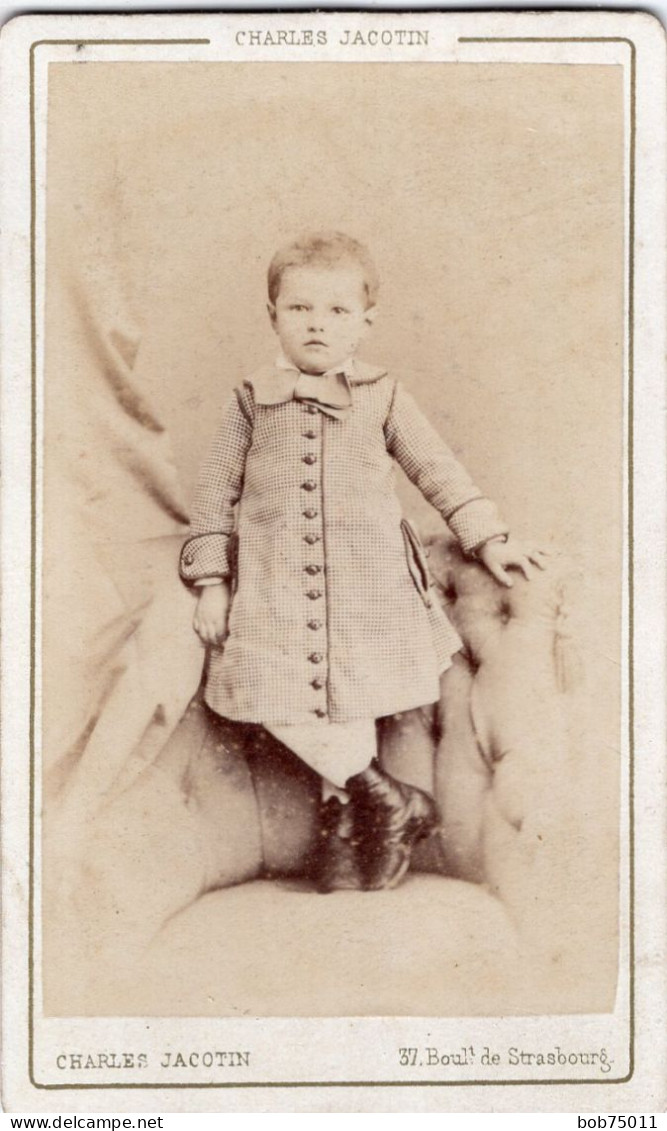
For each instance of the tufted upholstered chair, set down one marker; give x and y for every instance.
(194, 870)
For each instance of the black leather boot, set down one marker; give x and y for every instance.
(389, 818)
(334, 864)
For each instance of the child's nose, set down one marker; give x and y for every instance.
(318, 315)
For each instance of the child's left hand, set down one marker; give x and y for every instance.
(499, 556)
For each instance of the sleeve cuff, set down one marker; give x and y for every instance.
(475, 523)
(476, 550)
(205, 557)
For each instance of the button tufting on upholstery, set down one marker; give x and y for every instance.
(450, 592)
(504, 612)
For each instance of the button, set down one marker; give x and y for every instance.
(313, 569)
(313, 594)
(311, 409)
(309, 458)
(320, 712)
(309, 485)
(310, 513)
(314, 624)
(188, 558)
(311, 539)
(317, 683)
(311, 434)
(316, 657)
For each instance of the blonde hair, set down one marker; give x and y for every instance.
(323, 249)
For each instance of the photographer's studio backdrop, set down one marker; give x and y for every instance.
(492, 199)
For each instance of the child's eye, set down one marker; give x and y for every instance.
(340, 310)
(298, 306)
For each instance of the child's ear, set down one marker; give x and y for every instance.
(272, 313)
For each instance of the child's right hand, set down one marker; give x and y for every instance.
(210, 619)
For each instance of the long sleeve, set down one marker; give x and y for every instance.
(433, 468)
(206, 553)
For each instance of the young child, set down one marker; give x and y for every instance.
(324, 622)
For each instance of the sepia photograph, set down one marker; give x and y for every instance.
(444, 250)
(332, 490)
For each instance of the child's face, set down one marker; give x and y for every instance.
(320, 315)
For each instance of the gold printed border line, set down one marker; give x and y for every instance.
(631, 688)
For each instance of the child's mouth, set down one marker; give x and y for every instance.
(317, 343)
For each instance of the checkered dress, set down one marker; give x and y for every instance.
(332, 617)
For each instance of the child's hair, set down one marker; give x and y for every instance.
(323, 249)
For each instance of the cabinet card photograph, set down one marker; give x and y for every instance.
(332, 386)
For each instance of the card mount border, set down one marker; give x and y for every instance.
(630, 535)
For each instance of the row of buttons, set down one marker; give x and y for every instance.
(311, 538)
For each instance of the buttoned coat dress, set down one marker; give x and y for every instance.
(332, 615)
